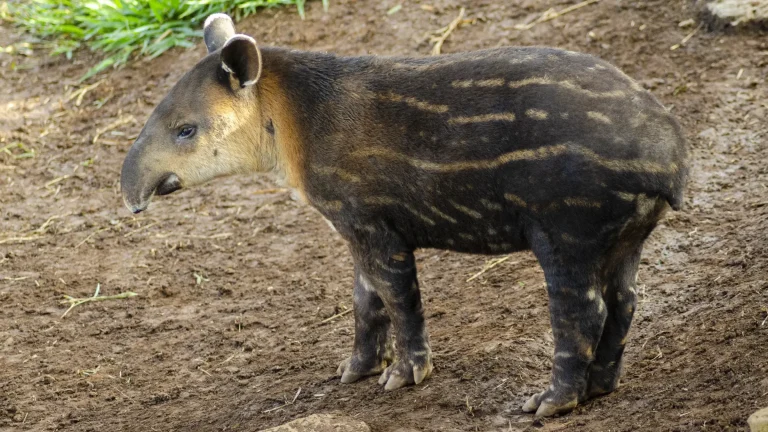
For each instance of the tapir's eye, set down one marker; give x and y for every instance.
(187, 131)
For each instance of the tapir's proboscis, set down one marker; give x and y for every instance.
(486, 152)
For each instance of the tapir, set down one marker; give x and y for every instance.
(485, 152)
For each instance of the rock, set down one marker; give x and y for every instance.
(322, 423)
(723, 14)
(758, 422)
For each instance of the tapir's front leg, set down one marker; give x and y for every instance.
(373, 344)
(386, 269)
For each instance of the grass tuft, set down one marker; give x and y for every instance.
(123, 29)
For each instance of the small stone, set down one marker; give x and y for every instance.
(758, 422)
(322, 423)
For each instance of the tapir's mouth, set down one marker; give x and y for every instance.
(168, 184)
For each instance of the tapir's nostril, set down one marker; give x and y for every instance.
(170, 183)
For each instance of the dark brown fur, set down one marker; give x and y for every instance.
(486, 152)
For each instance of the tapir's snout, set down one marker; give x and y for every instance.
(140, 180)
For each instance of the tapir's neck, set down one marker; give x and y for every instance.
(294, 95)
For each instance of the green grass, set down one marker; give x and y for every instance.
(124, 29)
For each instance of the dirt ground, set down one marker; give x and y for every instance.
(236, 281)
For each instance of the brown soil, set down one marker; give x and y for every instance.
(234, 284)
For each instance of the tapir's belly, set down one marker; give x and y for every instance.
(486, 211)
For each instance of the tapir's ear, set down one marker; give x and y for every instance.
(217, 31)
(242, 58)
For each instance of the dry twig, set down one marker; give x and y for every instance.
(489, 265)
(73, 301)
(552, 14)
(19, 239)
(56, 180)
(36, 233)
(119, 122)
(210, 237)
(89, 236)
(80, 93)
(340, 314)
(44, 227)
(285, 404)
(687, 38)
(442, 34)
(128, 234)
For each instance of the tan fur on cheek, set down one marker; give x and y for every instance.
(219, 155)
(231, 145)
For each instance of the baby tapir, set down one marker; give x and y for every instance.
(484, 152)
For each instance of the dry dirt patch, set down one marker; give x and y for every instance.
(235, 279)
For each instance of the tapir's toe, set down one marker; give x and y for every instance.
(353, 368)
(549, 403)
(406, 372)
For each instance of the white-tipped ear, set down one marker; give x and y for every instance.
(242, 58)
(218, 29)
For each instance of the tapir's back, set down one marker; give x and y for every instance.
(539, 132)
(540, 95)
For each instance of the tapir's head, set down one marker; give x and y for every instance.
(207, 126)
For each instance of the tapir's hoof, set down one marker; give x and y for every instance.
(596, 391)
(352, 369)
(548, 403)
(406, 372)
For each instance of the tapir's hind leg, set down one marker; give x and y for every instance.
(620, 296)
(373, 347)
(577, 313)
